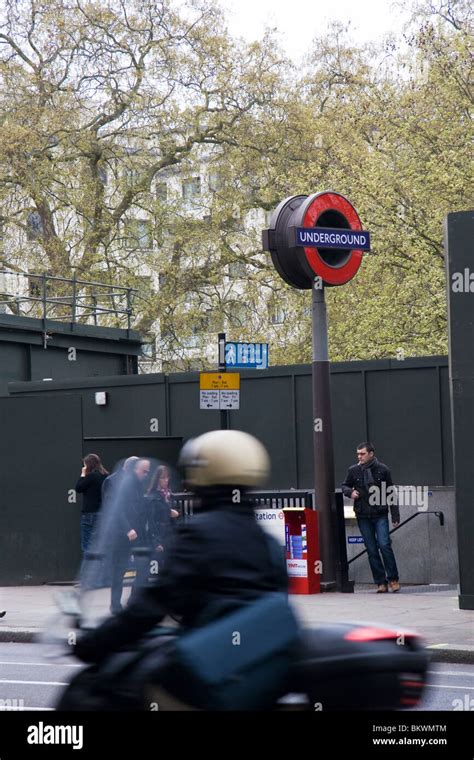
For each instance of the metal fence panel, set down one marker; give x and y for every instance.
(41, 455)
(404, 423)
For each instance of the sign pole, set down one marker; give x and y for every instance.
(224, 413)
(322, 437)
(317, 241)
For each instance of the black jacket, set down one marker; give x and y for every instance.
(220, 559)
(91, 488)
(157, 516)
(369, 504)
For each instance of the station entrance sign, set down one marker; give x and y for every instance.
(316, 236)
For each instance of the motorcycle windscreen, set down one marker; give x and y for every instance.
(130, 541)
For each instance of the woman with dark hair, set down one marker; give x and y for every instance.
(89, 484)
(159, 513)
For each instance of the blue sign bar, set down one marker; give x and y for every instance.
(246, 355)
(355, 540)
(327, 237)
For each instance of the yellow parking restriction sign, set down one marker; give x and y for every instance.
(219, 381)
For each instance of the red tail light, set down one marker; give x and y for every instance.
(412, 687)
(372, 634)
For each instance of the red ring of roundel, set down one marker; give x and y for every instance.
(330, 275)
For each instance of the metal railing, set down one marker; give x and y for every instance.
(80, 301)
(342, 563)
(437, 512)
(185, 502)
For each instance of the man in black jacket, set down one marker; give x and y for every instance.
(370, 484)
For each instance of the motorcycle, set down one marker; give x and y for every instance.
(331, 667)
(336, 667)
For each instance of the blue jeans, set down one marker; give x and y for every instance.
(88, 521)
(375, 532)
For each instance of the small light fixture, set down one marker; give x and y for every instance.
(101, 398)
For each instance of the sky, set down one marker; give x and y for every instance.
(300, 21)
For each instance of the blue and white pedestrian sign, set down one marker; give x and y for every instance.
(246, 355)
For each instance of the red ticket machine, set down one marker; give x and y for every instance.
(302, 551)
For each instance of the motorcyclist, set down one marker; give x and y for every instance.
(219, 559)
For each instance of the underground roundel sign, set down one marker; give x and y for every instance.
(319, 235)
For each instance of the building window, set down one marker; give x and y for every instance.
(215, 181)
(102, 175)
(238, 314)
(191, 189)
(138, 234)
(149, 350)
(166, 328)
(237, 269)
(192, 341)
(132, 176)
(276, 314)
(200, 327)
(161, 192)
(35, 286)
(34, 227)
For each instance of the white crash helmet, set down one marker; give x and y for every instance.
(224, 457)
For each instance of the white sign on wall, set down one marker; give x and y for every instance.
(273, 521)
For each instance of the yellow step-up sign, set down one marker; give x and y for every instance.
(219, 381)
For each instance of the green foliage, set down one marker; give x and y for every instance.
(103, 103)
